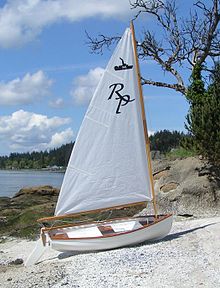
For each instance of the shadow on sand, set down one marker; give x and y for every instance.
(177, 235)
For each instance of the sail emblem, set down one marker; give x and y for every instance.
(124, 66)
(123, 99)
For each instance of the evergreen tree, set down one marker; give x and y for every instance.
(166, 140)
(203, 119)
(37, 160)
(211, 139)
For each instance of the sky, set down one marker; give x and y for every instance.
(48, 74)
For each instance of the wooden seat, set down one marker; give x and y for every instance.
(105, 230)
(59, 236)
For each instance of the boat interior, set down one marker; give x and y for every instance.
(103, 229)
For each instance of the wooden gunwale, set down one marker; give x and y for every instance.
(89, 222)
(52, 218)
(157, 220)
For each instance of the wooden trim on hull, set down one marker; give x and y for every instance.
(157, 220)
(53, 218)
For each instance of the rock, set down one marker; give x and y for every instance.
(187, 187)
(3, 220)
(64, 284)
(18, 214)
(185, 215)
(40, 190)
(4, 202)
(17, 261)
(163, 173)
(156, 155)
(169, 187)
(31, 196)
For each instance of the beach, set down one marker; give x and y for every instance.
(188, 257)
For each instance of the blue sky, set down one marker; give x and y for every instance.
(47, 74)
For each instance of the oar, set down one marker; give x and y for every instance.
(36, 254)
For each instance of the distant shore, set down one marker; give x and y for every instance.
(61, 170)
(11, 181)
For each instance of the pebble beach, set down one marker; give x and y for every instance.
(188, 257)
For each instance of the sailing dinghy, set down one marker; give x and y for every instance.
(109, 167)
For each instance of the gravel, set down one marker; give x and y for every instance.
(188, 257)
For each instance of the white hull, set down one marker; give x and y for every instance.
(154, 231)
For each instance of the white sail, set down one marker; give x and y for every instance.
(108, 166)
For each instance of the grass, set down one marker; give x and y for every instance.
(180, 153)
(23, 223)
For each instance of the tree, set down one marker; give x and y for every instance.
(196, 100)
(203, 119)
(166, 140)
(212, 118)
(179, 41)
(35, 160)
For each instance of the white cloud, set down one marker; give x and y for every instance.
(22, 20)
(24, 90)
(151, 133)
(56, 103)
(58, 139)
(85, 85)
(26, 131)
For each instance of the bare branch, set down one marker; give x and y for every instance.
(204, 32)
(176, 87)
(178, 41)
(150, 48)
(97, 45)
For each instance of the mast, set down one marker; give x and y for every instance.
(147, 141)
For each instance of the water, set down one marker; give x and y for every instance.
(12, 181)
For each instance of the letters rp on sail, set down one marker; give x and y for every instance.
(123, 99)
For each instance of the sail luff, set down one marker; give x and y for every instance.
(143, 116)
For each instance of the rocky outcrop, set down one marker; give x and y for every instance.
(18, 214)
(32, 196)
(187, 187)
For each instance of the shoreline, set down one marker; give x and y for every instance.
(33, 170)
(12, 181)
(188, 257)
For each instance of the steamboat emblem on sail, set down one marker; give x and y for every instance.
(123, 66)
